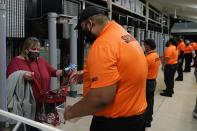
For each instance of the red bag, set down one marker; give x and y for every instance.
(51, 100)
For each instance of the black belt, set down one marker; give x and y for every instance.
(118, 118)
(151, 79)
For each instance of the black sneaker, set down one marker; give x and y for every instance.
(195, 113)
(148, 125)
(178, 79)
(166, 94)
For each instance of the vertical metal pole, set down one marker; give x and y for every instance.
(147, 16)
(162, 35)
(73, 51)
(52, 45)
(169, 26)
(2, 54)
(109, 5)
(83, 5)
(142, 34)
(156, 39)
(3, 90)
(138, 34)
(66, 31)
(162, 16)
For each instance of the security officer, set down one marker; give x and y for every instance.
(170, 67)
(153, 60)
(188, 56)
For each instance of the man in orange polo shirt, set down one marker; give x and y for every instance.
(188, 56)
(114, 76)
(170, 66)
(180, 47)
(194, 46)
(153, 68)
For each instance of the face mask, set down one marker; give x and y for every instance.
(90, 38)
(33, 55)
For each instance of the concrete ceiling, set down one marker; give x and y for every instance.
(184, 8)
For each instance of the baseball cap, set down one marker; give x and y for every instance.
(88, 12)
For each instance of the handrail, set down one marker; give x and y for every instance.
(28, 121)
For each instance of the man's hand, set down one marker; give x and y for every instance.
(75, 77)
(72, 77)
(28, 75)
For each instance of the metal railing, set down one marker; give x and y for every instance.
(21, 120)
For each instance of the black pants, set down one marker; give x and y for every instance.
(134, 123)
(169, 72)
(150, 90)
(180, 66)
(188, 60)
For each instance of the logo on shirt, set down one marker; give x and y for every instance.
(128, 38)
(93, 79)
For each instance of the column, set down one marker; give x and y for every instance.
(73, 51)
(52, 34)
(3, 85)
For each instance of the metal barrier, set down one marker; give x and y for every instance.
(21, 120)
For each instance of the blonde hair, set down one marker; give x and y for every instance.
(29, 43)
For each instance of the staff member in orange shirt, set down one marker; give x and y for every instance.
(153, 60)
(180, 47)
(188, 56)
(170, 67)
(115, 75)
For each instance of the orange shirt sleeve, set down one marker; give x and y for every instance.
(102, 65)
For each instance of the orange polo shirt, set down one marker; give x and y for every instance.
(188, 49)
(194, 45)
(153, 64)
(171, 52)
(116, 57)
(181, 46)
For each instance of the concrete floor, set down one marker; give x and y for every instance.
(170, 114)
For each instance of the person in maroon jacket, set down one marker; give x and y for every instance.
(38, 70)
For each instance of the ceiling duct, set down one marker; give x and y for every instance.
(184, 28)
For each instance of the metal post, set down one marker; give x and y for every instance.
(83, 4)
(142, 34)
(52, 44)
(109, 5)
(162, 16)
(138, 34)
(3, 57)
(148, 34)
(73, 51)
(66, 31)
(169, 26)
(156, 38)
(147, 17)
